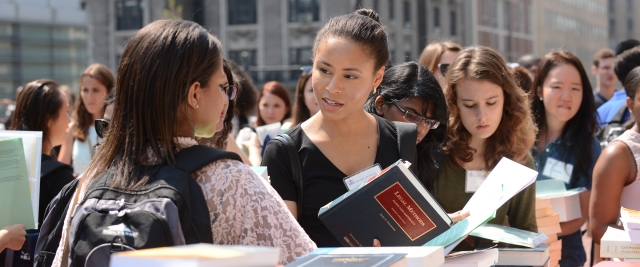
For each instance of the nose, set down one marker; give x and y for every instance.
(566, 95)
(480, 112)
(334, 86)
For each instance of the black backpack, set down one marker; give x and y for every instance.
(168, 210)
(615, 127)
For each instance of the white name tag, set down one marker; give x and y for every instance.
(558, 170)
(360, 177)
(473, 180)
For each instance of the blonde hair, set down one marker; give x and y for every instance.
(430, 57)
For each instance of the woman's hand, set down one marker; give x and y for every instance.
(459, 215)
(12, 236)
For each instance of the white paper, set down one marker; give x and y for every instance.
(360, 177)
(32, 143)
(271, 130)
(558, 170)
(473, 180)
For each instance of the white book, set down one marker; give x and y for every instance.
(564, 202)
(416, 256)
(198, 255)
(615, 243)
(630, 218)
(485, 258)
(261, 171)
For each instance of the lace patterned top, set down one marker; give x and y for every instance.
(629, 197)
(244, 209)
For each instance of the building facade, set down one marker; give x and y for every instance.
(41, 39)
(623, 21)
(271, 38)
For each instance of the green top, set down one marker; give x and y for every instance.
(449, 191)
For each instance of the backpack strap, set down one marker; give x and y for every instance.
(50, 165)
(296, 167)
(407, 136)
(196, 157)
(617, 118)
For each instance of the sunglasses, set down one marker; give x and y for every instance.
(444, 67)
(231, 91)
(415, 118)
(101, 127)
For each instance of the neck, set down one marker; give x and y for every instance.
(352, 125)
(606, 91)
(478, 145)
(46, 148)
(553, 130)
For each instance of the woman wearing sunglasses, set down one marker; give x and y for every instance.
(410, 93)
(437, 57)
(305, 105)
(42, 106)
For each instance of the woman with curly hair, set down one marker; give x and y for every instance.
(489, 118)
(564, 109)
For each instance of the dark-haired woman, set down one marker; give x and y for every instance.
(349, 55)
(489, 118)
(42, 106)
(564, 109)
(305, 104)
(95, 84)
(158, 113)
(410, 93)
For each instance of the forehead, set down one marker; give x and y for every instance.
(477, 90)
(564, 73)
(343, 53)
(606, 61)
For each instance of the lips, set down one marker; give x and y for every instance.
(330, 104)
(482, 127)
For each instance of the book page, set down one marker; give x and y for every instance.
(32, 145)
(15, 198)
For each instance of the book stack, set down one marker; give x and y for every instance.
(417, 256)
(631, 222)
(549, 224)
(616, 243)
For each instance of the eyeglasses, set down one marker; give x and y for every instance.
(444, 67)
(101, 127)
(415, 118)
(306, 69)
(231, 91)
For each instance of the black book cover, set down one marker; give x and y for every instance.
(353, 260)
(393, 207)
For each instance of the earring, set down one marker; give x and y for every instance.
(375, 89)
(196, 106)
(540, 98)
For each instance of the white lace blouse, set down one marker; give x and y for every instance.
(244, 210)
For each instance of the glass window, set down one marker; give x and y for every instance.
(436, 17)
(242, 12)
(36, 52)
(5, 50)
(303, 10)
(391, 10)
(612, 6)
(40, 33)
(629, 5)
(612, 26)
(300, 56)
(454, 23)
(69, 34)
(406, 6)
(244, 58)
(375, 5)
(128, 15)
(630, 25)
(31, 71)
(6, 30)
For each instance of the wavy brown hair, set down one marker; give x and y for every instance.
(83, 118)
(430, 56)
(516, 132)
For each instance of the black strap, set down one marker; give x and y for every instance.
(50, 165)
(407, 136)
(196, 157)
(296, 168)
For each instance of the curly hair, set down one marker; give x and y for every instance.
(516, 132)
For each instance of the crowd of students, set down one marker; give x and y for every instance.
(467, 109)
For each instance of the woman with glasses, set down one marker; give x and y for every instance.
(564, 109)
(437, 57)
(489, 118)
(95, 84)
(410, 93)
(42, 106)
(305, 104)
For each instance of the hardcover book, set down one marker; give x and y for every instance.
(393, 207)
(523, 256)
(416, 256)
(355, 260)
(510, 235)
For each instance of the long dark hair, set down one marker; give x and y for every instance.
(300, 110)
(80, 114)
(37, 104)
(159, 64)
(580, 129)
(407, 80)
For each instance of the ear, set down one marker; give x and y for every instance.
(594, 70)
(379, 105)
(377, 78)
(630, 105)
(193, 95)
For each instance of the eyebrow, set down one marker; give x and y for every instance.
(345, 69)
(412, 110)
(488, 98)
